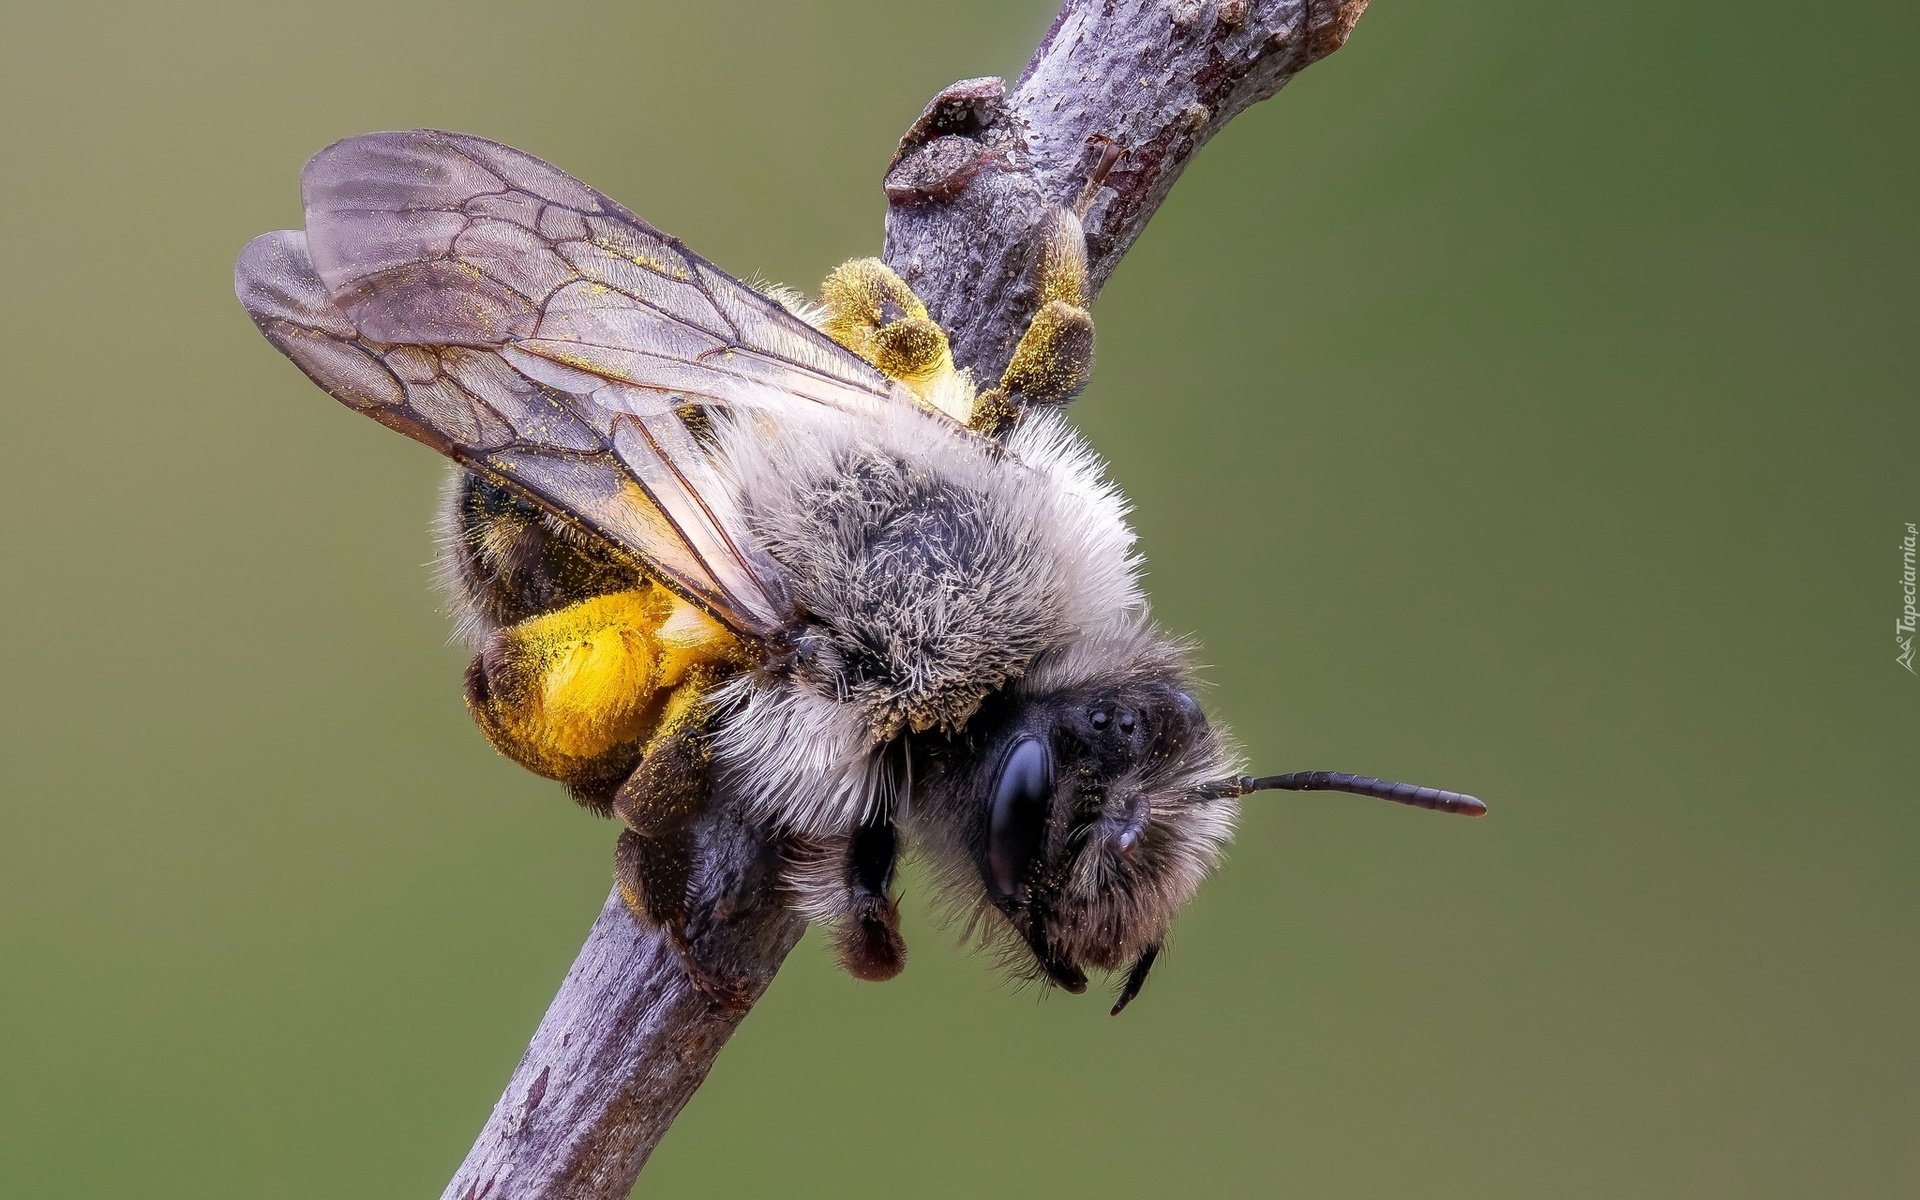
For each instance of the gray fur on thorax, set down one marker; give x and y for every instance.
(928, 569)
(923, 590)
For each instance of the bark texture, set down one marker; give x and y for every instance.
(1120, 91)
(628, 1038)
(1143, 83)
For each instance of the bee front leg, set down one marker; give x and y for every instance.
(868, 942)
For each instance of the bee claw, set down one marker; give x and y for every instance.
(730, 993)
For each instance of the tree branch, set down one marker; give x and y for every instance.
(628, 1039)
(976, 175)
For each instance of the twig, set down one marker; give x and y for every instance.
(1131, 86)
(975, 176)
(628, 1039)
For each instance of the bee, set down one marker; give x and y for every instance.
(705, 536)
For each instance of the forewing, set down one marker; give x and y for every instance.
(438, 238)
(612, 456)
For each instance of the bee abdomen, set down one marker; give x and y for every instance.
(507, 560)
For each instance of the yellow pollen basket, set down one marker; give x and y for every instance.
(601, 674)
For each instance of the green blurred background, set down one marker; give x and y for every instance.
(1522, 402)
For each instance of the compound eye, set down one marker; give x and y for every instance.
(1018, 817)
(1190, 721)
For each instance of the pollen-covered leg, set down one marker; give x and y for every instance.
(872, 312)
(671, 785)
(1054, 357)
(574, 694)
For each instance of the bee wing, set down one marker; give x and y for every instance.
(611, 458)
(425, 237)
(531, 329)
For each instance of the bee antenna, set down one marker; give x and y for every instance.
(1355, 785)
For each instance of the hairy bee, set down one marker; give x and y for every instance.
(707, 536)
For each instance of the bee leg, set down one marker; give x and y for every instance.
(671, 785)
(576, 694)
(1054, 357)
(653, 863)
(871, 311)
(571, 694)
(868, 943)
(653, 874)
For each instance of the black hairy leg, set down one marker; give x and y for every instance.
(653, 863)
(653, 874)
(671, 785)
(868, 943)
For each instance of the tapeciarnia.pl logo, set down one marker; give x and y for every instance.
(1903, 628)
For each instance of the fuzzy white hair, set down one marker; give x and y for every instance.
(933, 567)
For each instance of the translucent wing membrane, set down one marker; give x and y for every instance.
(531, 329)
(609, 456)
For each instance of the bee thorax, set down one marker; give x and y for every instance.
(927, 581)
(926, 572)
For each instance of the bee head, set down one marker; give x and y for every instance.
(1081, 809)
(1079, 818)
(1097, 826)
